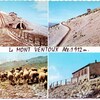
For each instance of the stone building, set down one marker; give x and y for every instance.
(88, 10)
(88, 72)
(22, 30)
(13, 21)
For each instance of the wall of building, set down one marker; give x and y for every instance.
(74, 80)
(89, 72)
(81, 75)
(95, 69)
(80, 72)
(81, 78)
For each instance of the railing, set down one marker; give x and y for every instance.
(28, 38)
(60, 83)
(70, 82)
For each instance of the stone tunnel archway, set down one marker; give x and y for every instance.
(20, 26)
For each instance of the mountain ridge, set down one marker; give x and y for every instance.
(39, 61)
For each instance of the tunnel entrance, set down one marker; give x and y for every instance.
(20, 26)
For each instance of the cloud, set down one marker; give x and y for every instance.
(41, 6)
(40, 9)
(54, 74)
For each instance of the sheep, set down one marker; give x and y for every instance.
(42, 77)
(42, 74)
(25, 74)
(17, 75)
(10, 76)
(19, 69)
(21, 81)
(12, 71)
(34, 69)
(39, 71)
(1, 73)
(21, 76)
(34, 76)
(3, 76)
(44, 69)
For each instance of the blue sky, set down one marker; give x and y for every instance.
(62, 65)
(5, 57)
(64, 10)
(33, 11)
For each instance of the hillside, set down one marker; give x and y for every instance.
(37, 62)
(6, 40)
(35, 91)
(86, 89)
(55, 36)
(13, 34)
(84, 30)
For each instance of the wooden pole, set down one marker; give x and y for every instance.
(40, 40)
(65, 81)
(33, 39)
(61, 82)
(57, 83)
(53, 84)
(27, 37)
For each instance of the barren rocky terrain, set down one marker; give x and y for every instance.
(84, 30)
(25, 91)
(11, 35)
(6, 40)
(86, 89)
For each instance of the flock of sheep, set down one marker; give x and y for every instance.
(25, 76)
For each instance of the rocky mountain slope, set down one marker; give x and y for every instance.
(6, 40)
(84, 30)
(86, 89)
(25, 91)
(11, 29)
(39, 29)
(55, 36)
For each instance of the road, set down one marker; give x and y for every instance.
(62, 40)
(58, 34)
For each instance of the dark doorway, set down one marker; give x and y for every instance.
(19, 26)
(23, 26)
